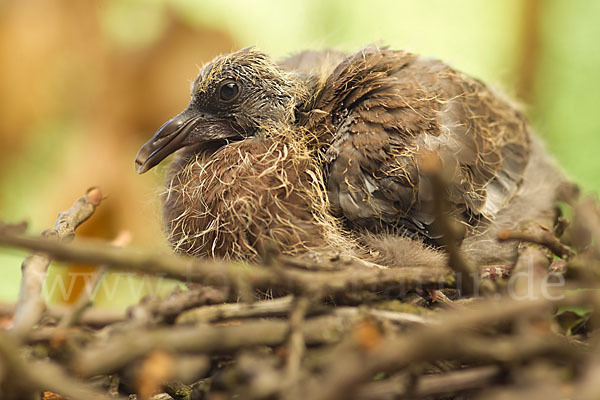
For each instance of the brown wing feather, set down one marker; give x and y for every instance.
(380, 108)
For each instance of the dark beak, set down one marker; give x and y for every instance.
(169, 138)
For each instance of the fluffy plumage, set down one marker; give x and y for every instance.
(321, 152)
(245, 197)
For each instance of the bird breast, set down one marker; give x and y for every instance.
(243, 197)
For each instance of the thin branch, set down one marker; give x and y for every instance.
(84, 300)
(179, 302)
(267, 308)
(539, 236)
(399, 318)
(296, 345)
(95, 317)
(429, 386)
(448, 340)
(282, 306)
(30, 305)
(431, 165)
(123, 348)
(35, 376)
(226, 274)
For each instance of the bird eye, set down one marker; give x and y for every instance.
(229, 91)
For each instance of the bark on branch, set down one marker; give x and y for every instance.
(30, 305)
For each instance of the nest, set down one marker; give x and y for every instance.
(333, 328)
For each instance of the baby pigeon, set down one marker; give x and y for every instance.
(322, 152)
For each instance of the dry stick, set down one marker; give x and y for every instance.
(401, 353)
(30, 305)
(399, 318)
(431, 165)
(84, 300)
(587, 223)
(279, 307)
(222, 273)
(74, 314)
(95, 317)
(120, 349)
(449, 340)
(282, 306)
(533, 263)
(456, 381)
(43, 375)
(179, 302)
(588, 388)
(266, 308)
(539, 236)
(542, 386)
(125, 347)
(432, 385)
(296, 345)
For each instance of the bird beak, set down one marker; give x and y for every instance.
(169, 138)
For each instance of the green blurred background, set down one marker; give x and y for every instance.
(84, 83)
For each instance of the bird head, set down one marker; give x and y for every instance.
(235, 96)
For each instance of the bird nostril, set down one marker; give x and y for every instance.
(158, 141)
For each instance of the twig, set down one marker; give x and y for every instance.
(586, 225)
(222, 273)
(449, 340)
(457, 381)
(123, 348)
(30, 305)
(95, 317)
(296, 345)
(533, 263)
(32, 376)
(84, 300)
(282, 306)
(466, 272)
(432, 385)
(539, 236)
(399, 318)
(74, 314)
(267, 308)
(587, 388)
(177, 303)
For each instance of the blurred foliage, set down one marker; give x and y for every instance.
(86, 83)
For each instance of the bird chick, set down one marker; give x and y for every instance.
(322, 152)
(243, 180)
